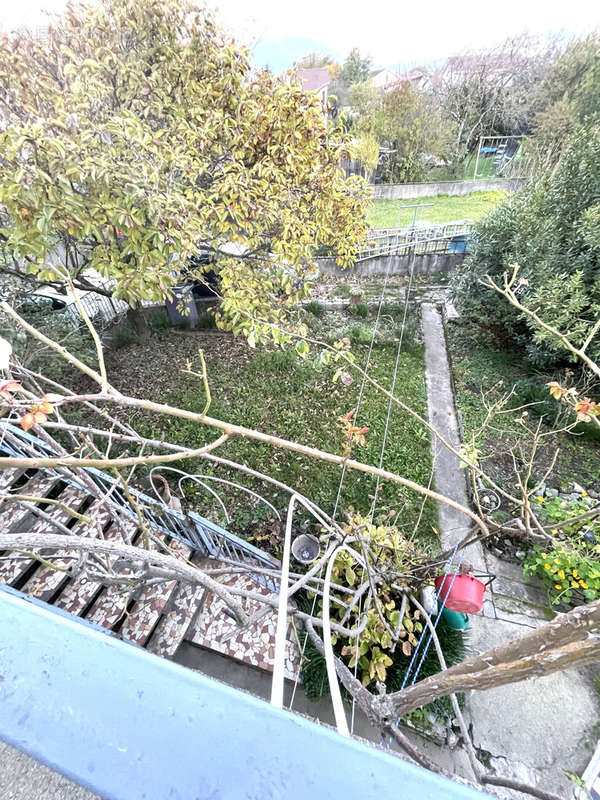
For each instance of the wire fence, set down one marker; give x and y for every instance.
(102, 310)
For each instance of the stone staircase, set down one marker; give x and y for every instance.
(157, 616)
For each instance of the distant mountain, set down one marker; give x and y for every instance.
(281, 55)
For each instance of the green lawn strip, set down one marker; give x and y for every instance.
(478, 364)
(278, 393)
(446, 208)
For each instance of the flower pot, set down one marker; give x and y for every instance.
(462, 593)
(455, 620)
(306, 548)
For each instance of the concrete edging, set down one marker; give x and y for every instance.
(406, 191)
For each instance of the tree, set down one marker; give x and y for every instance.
(565, 98)
(312, 60)
(406, 125)
(574, 77)
(550, 228)
(355, 68)
(137, 136)
(365, 149)
(491, 92)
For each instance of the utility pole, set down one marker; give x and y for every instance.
(477, 159)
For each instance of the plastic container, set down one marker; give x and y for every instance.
(455, 620)
(429, 600)
(462, 593)
(306, 548)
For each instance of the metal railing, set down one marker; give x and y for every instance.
(202, 535)
(400, 241)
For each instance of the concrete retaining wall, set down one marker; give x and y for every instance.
(406, 191)
(426, 264)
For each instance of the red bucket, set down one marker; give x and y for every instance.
(465, 596)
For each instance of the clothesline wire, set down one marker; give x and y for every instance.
(363, 382)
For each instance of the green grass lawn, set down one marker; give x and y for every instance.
(466, 171)
(278, 393)
(445, 208)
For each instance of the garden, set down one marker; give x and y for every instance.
(281, 393)
(231, 181)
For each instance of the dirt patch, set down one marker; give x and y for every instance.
(149, 369)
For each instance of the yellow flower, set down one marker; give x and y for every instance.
(583, 585)
(544, 555)
(547, 566)
(574, 573)
(561, 574)
(584, 493)
(540, 499)
(558, 586)
(574, 584)
(554, 530)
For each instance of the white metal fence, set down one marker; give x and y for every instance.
(399, 241)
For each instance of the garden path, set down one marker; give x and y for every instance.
(531, 731)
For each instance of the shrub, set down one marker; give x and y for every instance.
(160, 321)
(454, 647)
(124, 337)
(206, 321)
(394, 310)
(570, 570)
(550, 229)
(360, 310)
(359, 334)
(342, 291)
(316, 308)
(569, 575)
(528, 392)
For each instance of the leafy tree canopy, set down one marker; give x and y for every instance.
(568, 96)
(356, 68)
(137, 136)
(405, 124)
(552, 230)
(312, 60)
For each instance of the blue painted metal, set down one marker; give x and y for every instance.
(201, 534)
(131, 726)
(459, 244)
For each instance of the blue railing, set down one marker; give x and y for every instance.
(131, 726)
(202, 535)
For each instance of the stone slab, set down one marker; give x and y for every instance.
(543, 722)
(449, 478)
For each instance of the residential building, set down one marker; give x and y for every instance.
(316, 80)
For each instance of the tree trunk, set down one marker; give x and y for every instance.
(570, 640)
(136, 319)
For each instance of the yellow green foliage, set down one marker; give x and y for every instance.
(138, 135)
(393, 553)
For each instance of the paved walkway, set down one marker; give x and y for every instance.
(537, 729)
(23, 778)
(449, 478)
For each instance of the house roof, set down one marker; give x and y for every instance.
(314, 79)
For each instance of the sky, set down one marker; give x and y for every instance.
(392, 33)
